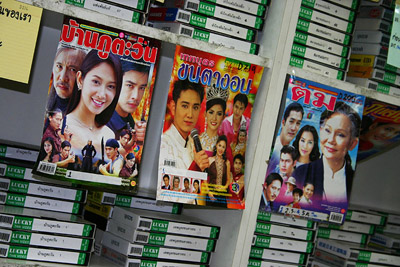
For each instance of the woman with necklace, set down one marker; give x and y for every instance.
(219, 175)
(93, 100)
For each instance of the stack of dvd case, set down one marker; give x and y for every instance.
(322, 39)
(138, 237)
(130, 10)
(234, 24)
(368, 61)
(281, 240)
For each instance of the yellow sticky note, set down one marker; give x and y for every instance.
(19, 26)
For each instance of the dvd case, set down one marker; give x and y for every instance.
(98, 106)
(317, 138)
(203, 145)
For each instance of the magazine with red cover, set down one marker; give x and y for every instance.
(380, 128)
(311, 169)
(98, 106)
(203, 145)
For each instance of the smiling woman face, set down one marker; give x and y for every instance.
(47, 147)
(214, 116)
(98, 88)
(221, 147)
(306, 144)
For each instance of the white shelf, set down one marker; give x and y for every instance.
(93, 16)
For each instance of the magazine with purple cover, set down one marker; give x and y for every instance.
(312, 165)
(98, 105)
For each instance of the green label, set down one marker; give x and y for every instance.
(360, 264)
(371, 229)
(298, 50)
(79, 3)
(263, 228)
(348, 215)
(157, 239)
(355, 3)
(343, 63)
(260, 10)
(340, 75)
(324, 233)
(151, 252)
(204, 257)
(389, 77)
(206, 9)
(147, 263)
(214, 232)
(309, 235)
(345, 51)
(141, 4)
(264, 216)
(159, 225)
(254, 263)
(379, 229)
(302, 258)
(309, 3)
(81, 259)
(175, 208)
(85, 244)
(383, 220)
(21, 238)
(15, 200)
(3, 151)
(256, 252)
(198, 20)
(390, 68)
(346, 39)
(296, 62)
(210, 245)
(302, 25)
(300, 37)
(349, 28)
(76, 208)
(17, 252)
(79, 195)
(201, 35)
(136, 17)
(263, 241)
(364, 256)
(310, 247)
(22, 223)
(363, 239)
(352, 15)
(87, 229)
(19, 186)
(123, 201)
(305, 13)
(15, 172)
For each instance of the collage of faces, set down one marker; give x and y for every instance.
(313, 159)
(96, 112)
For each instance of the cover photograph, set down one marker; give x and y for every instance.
(98, 106)
(311, 169)
(203, 144)
(380, 129)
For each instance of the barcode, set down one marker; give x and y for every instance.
(187, 32)
(385, 40)
(353, 255)
(108, 200)
(5, 237)
(183, 16)
(3, 252)
(142, 238)
(144, 224)
(134, 264)
(379, 74)
(2, 171)
(4, 219)
(3, 198)
(373, 86)
(136, 251)
(253, 242)
(381, 63)
(46, 167)
(193, 6)
(4, 185)
(335, 217)
(170, 163)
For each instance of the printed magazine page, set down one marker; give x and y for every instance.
(203, 145)
(311, 168)
(380, 129)
(98, 105)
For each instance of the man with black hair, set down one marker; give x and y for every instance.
(64, 158)
(291, 122)
(287, 161)
(271, 190)
(116, 163)
(134, 83)
(176, 143)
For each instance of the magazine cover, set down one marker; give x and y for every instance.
(98, 105)
(380, 129)
(311, 168)
(203, 145)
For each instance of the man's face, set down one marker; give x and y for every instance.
(111, 152)
(186, 184)
(124, 140)
(65, 152)
(238, 109)
(186, 112)
(166, 181)
(290, 126)
(134, 85)
(65, 67)
(286, 164)
(273, 190)
(55, 121)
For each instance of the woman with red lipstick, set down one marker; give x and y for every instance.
(47, 150)
(332, 174)
(306, 144)
(93, 100)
